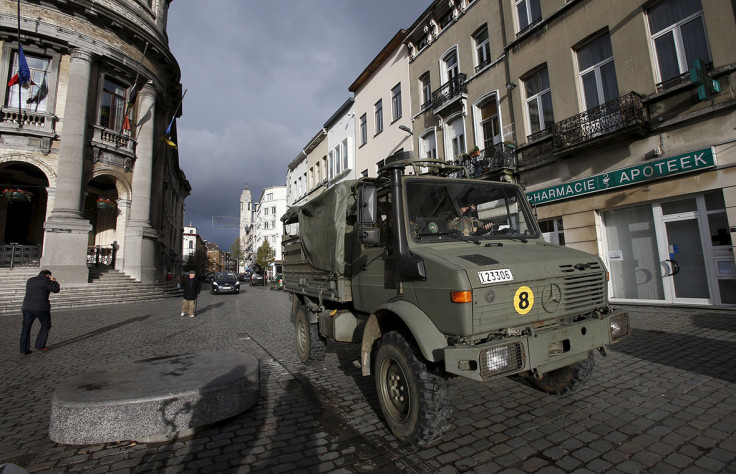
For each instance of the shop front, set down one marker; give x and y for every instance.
(661, 227)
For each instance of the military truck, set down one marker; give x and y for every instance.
(397, 264)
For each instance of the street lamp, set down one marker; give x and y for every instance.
(406, 129)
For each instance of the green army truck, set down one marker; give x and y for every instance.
(432, 290)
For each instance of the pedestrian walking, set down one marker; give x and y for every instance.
(191, 287)
(36, 305)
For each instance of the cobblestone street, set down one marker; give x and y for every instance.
(664, 400)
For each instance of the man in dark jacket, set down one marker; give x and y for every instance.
(190, 287)
(36, 305)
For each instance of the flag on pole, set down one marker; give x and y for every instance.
(40, 94)
(23, 76)
(167, 136)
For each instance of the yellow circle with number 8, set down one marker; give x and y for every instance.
(523, 300)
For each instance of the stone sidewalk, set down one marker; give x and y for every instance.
(663, 401)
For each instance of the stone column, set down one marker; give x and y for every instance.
(65, 242)
(123, 213)
(140, 237)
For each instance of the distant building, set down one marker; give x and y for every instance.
(191, 242)
(246, 228)
(96, 165)
(267, 223)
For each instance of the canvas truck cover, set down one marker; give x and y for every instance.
(323, 228)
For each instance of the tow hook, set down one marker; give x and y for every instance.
(603, 351)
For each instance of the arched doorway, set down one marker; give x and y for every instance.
(22, 203)
(100, 208)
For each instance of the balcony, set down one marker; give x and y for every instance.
(622, 115)
(449, 91)
(114, 148)
(489, 161)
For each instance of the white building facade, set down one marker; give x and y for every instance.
(267, 220)
(341, 143)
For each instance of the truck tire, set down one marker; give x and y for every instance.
(415, 400)
(566, 379)
(310, 346)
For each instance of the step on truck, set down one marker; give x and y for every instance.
(437, 277)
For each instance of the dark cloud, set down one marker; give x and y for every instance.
(262, 78)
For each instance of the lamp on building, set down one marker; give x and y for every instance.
(406, 129)
(510, 85)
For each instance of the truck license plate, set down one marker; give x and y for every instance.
(495, 276)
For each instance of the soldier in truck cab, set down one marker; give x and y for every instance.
(467, 222)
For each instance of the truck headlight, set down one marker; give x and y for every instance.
(620, 326)
(214, 283)
(501, 360)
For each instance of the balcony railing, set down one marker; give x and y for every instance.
(619, 114)
(17, 255)
(681, 79)
(38, 121)
(488, 161)
(449, 90)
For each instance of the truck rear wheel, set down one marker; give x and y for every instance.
(309, 344)
(414, 400)
(566, 379)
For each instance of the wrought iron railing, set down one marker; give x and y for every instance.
(490, 160)
(17, 255)
(449, 90)
(100, 255)
(618, 114)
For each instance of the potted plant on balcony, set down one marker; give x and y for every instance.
(475, 152)
(105, 204)
(17, 195)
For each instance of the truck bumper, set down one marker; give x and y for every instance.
(544, 350)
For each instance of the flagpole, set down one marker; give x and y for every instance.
(20, 86)
(134, 87)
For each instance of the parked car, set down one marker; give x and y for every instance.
(208, 277)
(257, 278)
(225, 282)
(277, 282)
(242, 277)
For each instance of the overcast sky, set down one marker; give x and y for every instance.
(262, 78)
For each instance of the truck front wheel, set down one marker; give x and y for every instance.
(414, 400)
(309, 345)
(566, 379)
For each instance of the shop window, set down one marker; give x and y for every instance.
(553, 231)
(678, 36)
(34, 97)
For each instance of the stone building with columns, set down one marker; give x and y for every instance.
(96, 180)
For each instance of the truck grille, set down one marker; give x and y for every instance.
(584, 286)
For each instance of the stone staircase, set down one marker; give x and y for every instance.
(106, 286)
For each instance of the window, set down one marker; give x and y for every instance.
(490, 129)
(426, 88)
(345, 161)
(363, 129)
(678, 36)
(331, 164)
(269, 197)
(273, 210)
(265, 210)
(428, 146)
(337, 154)
(191, 244)
(34, 97)
(482, 49)
(450, 66)
(538, 101)
(597, 72)
(113, 104)
(379, 116)
(396, 103)
(553, 231)
(527, 12)
(456, 138)
(364, 173)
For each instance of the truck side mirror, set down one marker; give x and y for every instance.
(367, 204)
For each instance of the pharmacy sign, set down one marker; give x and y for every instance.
(687, 163)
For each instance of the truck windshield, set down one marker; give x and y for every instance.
(440, 208)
